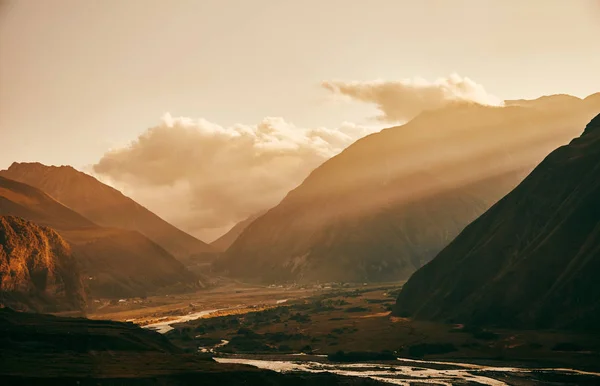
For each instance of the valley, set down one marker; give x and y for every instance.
(204, 325)
(343, 330)
(272, 193)
(355, 325)
(230, 295)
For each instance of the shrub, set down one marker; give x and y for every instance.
(486, 335)
(300, 318)
(356, 309)
(567, 346)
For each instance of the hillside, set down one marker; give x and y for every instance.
(104, 205)
(114, 262)
(531, 260)
(28, 202)
(40, 349)
(37, 269)
(391, 201)
(222, 243)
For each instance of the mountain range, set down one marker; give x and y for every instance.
(530, 261)
(105, 206)
(115, 262)
(391, 201)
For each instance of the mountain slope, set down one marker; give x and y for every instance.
(37, 270)
(104, 205)
(115, 262)
(391, 201)
(28, 202)
(222, 243)
(531, 260)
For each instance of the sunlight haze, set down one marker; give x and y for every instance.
(82, 79)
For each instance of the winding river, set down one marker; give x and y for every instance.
(404, 372)
(164, 326)
(408, 372)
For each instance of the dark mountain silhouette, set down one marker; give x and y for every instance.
(391, 201)
(37, 270)
(115, 262)
(104, 205)
(222, 243)
(532, 260)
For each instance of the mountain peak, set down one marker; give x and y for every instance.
(39, 166)
(545, 101)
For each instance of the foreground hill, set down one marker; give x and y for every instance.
(104, 205)
(47, 350)
(391, 201)
(532, 260)
(37, 270)
(115, 262)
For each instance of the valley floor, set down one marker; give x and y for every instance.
(232, 296)
(311, 329)
(355, 320)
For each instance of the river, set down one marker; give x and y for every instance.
(408, 372)
(163, 327)
(405, 372)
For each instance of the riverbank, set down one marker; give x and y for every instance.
(407, 372)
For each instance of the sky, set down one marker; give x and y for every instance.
(84, 82)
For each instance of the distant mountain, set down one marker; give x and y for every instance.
(37, 270)
(104, 205)
(115, 262)
(222, 243)
(532, 260)
(391, 201)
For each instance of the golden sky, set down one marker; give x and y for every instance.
(81, 77)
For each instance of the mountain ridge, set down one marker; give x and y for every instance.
(529, 261)
(116, 262)
(352, 220)
(222, 243)
(105, 205)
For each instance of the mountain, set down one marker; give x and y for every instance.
(532, 260)
(104, 205)
(32, 204)
(37, 269)
(115, 262)
(392, 200)
(222, 243)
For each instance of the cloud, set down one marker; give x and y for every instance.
(203, 176)
(400, 101)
